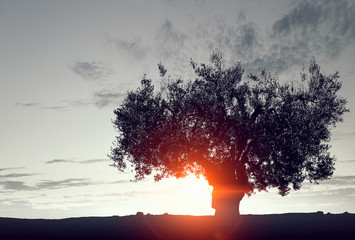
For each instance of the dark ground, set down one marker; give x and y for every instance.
(282, 226)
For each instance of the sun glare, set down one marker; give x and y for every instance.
(186, 196)
(196, 189)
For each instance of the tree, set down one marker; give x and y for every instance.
(241, 133)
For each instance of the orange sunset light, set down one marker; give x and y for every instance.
(192, 195)
(196, 188)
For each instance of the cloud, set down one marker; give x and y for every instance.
(340, 181)
(347, 161)
(56, 108)
(95, 71)
(16, 175)
(59, 161)
(338, 199)
(15, 185)
(30, 104)
(121, 181)
(48, 184)
(14, 201)
(241, 41)
(100, 99)
(106, 97)
(170, 35)
(176, 46)
(5, 169)
(41, 106)
(168, 42)
(89, 161)
(325, 20)
(132, 47)
(321, 29)
(136, 194)
(248, 40)
(72, 182)
(80, 102)
(349, 191)
(311, 28)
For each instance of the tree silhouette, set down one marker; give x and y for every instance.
(241, 133)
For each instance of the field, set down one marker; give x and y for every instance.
(281, 226)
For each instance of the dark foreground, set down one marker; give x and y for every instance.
(283, 226)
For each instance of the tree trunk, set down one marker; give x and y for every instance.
(229, 187)
(225, 200)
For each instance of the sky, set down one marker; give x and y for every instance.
(66, 65)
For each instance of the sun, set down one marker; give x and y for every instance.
(196, 188)
(193, 191)
(188, 196)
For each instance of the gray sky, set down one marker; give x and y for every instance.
(65, 66)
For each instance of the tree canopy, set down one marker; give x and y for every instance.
(261, 131)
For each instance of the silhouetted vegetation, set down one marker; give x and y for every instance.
(243, 133)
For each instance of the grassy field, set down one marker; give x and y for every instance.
(281, 226)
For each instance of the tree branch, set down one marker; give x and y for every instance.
(245, 151)
(258, 110)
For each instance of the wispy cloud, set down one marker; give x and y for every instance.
(16, 175)
(55, 108)
(177, 45)
(132, 47)
(341, 181)
(347, 161)
(88, 161)
(29, 104)
(59, 161)
(91, 70)
(311, 28)
(135, 194)
(15, 185)
(41, 106)
(47, 184)
(100, 99)
(339, 198)
(321, 29)
(5, 169)
(327, 25)
(241, 40)
(121, 181)
(72, 182)
(106, 97)
(170, 40)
